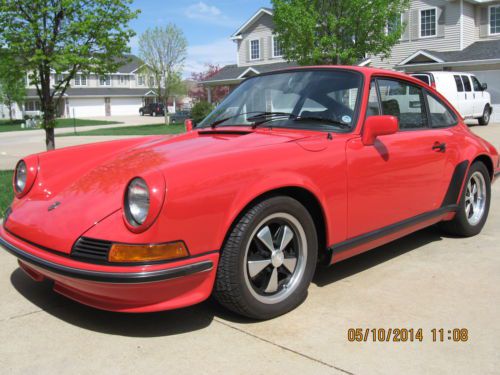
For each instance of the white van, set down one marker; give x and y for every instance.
(464, 91)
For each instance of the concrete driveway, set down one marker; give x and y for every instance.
(423, 281)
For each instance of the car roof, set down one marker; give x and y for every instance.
(443, 72)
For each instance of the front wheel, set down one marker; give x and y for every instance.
(485, 119)
(474, 204)
(268, 260)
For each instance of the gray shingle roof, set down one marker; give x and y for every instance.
(97, 91)
(232, 72)
(130, 63)
(485, 50)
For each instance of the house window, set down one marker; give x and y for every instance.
(123, 79)
(105, 80)
(151, 81)
(277, 49)
(32, 105)
(394, 24)
(140, 80)
(495, 19)
(428, 22)
(80, 80)
(254, 49)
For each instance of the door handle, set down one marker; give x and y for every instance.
(439, 147)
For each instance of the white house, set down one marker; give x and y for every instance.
(90, 95)
(457, 35)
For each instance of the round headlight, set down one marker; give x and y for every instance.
(21, 176)
(137, 202)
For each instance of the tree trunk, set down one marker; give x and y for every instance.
(49, 139)
(9, 103)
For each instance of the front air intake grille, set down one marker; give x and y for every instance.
(91, 250)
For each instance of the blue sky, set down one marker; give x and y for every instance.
(207, 25)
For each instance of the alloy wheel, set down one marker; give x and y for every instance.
(475, 198)
(275, 258)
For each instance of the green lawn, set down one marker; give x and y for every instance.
(6, 193)
(9, 126)
(154, 129)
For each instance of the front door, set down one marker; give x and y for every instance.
(107, 103)
(479, 97)
(401, 175)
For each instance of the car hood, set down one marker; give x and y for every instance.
(74, 191)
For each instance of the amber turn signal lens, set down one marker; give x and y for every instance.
(147, 253)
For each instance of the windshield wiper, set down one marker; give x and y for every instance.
(258, 115)
(326, 120)
(270, 116)
(281, 115)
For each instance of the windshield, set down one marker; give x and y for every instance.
(316, 99)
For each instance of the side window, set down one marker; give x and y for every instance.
(460, 85)
(373, 104)
(404, 101)
(476, 84)
(467, 85)
(441, 115)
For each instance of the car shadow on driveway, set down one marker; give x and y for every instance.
(196, 317)
(328, 275)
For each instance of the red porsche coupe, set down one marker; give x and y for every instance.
(295, 168)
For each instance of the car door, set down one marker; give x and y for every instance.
(460, 103)
(468, 107)
(400, 176)
(479, 97)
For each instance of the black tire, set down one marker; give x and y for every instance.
(485, 119)
(460, 225)
(153, 114)
(141, 113)
(233, 290)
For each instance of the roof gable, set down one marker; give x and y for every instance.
(255, 17)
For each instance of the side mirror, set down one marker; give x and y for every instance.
(484, 86)
(188, 123)
(375, 126)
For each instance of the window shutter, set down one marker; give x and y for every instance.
(270, 48)
(440, 16)
(247, 47)
(415, 21)
(406, 24)
(262, 48)
(484, 23)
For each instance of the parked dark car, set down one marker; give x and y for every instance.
(180, 117)
(153, 109)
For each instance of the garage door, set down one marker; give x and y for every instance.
(86, 107)
(125, 106)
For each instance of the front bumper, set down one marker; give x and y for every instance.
(143, 288)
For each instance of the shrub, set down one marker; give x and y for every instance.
(200, 111)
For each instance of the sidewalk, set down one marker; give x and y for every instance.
(17, 144)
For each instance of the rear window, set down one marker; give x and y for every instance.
(467, 84)
(423, 77)
(459, 83)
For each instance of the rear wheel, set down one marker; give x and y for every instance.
(485, 119)
(474, 204)
(268, 260)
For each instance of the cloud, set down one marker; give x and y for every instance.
(221, 52)
(201, 11)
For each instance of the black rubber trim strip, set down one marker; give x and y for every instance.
(456, 182)
(391, 229)
(108, 277)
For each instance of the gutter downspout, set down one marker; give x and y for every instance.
(461, 25)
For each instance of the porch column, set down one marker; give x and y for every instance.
(209, 94)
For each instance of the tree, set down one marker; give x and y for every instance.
(64, 37)
(201, 110)
(199, 93)
(316, 32)
(12, 82)
(164, 51)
